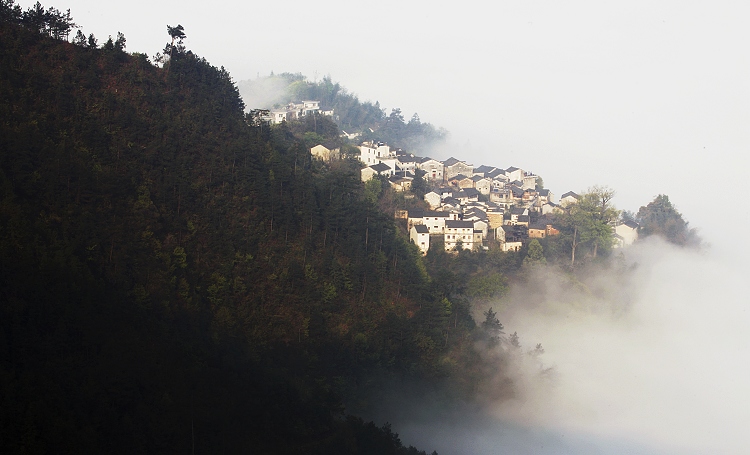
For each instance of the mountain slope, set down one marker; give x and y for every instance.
(173, 278)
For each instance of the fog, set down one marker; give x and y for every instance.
(647, 97)
(649, 357)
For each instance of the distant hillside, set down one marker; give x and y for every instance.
(350, 113)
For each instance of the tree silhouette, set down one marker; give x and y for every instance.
(178, 34)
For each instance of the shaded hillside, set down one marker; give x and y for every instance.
(175, 279)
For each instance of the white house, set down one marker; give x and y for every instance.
(501, 196)
(459, 231)
(529, 181)
(406, 163)
(309, 107)
(511, 246)
(454, 166)
(374, 153)
(477, 241)
(433, 199)
(482, 227)
(515, 216)
(545, 195)
(499, 234)
(323, 153)
(569, 198)
(482, 184)
(550, 207)
(435, 221)
(279, 115)
(514, 173)
(295, 110)
(433, 169)
(376, 169)
(401, 184)
(626, 234)
(420, 236)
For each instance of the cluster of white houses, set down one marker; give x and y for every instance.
(470, 206)
(511, 198)
(296, 111)
(465, 222)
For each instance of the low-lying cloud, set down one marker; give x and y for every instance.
(649, 357)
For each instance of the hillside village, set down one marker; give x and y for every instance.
(470, 206)
(294, 111)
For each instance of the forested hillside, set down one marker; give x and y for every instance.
(174, 279)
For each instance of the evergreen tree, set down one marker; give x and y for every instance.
(661, 218)
(535, 256)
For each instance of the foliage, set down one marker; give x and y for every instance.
(661, 218)
(50, 22)
(535, 255)
(588, 223)
(167, 266)
(413, 136)
(492, 327)
(487, 286)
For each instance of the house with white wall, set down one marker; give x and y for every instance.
(280, 115)
(375, 152)
(569, 198)
(626, 233)
(459, 231)
(322, 153)
(420, 236)
(454, 166)
(482, 184)
(433, 199)
(514, 173)
(377, 169)
(434, 169)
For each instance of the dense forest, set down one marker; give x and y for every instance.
(174, 278)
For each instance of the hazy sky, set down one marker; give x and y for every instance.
(646, 97)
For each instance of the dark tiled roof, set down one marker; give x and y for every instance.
(421, 229)
(477, 212)
(458, 224)
(380, 167)
(484, 169)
